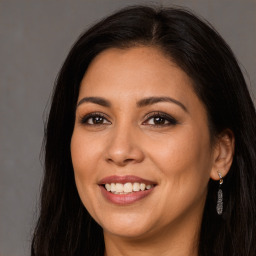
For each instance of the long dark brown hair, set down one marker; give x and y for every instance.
(64, 226)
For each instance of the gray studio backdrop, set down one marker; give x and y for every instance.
(35, 37)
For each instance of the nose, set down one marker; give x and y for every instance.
(124, 147)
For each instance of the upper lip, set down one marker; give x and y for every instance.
(125, 179)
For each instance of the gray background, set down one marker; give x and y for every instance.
(35, 37)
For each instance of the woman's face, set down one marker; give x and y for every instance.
(141, 147)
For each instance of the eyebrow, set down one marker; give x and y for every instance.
(153, 100)
(95, 100)
(141, 103)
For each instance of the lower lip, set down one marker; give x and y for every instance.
(125, 199)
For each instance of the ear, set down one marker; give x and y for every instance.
(223, 154)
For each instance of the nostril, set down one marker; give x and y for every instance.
(123, 159)
(129, 160)
(122, 150)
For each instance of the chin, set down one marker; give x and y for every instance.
(127, 232)
(127, 226)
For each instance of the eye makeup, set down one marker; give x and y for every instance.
(154, 119)
(94, 118)
(158, 118)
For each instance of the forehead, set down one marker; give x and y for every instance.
(135, 73)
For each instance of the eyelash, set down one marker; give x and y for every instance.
(84, 120)
(164, 116)
(171, 121)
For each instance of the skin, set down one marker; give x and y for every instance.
(179, 158)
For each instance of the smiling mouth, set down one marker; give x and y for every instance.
(127, 188)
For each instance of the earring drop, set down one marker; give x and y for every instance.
(219, 207)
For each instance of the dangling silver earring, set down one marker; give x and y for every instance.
(219, 207)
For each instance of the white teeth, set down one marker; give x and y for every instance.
(108, 187)
(119, 188)
(142, 186)
(136, 187)
(127, 187)
(149, 186)
(113, 187)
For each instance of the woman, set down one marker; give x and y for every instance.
(150, 144)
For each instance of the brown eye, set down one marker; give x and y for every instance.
(95, 119)
(159, 119)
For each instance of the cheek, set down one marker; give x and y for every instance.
(85, 152)
(84, 160)
(185, 164)
(184, 159)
